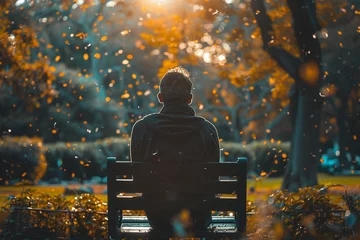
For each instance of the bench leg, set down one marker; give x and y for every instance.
(112, 226)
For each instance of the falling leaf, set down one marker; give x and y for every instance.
(310, 72)
(125, 32)
(126, 95)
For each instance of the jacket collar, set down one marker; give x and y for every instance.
(175, 108)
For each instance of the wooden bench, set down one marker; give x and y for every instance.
(125, 188)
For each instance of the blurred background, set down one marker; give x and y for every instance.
(76, 74)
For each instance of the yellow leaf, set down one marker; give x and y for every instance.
(126, 95)
(86, 56)
(103, 38)
(125, 32)
(97, 55)
(310, 72)
(57, 58)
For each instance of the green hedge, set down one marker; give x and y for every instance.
(21, 158)
(265, 157)
(83, 160)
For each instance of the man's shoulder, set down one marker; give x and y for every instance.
(208, 125)
(205, 124)
(146, 119)
(201, 122)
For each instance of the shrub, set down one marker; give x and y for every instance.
(83, 160)
(88, 222)
(302, 215)
(309, 213)
(265, 157)
(21, 158)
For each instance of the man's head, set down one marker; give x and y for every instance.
(175, 87)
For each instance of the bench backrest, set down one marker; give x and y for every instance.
(146, 177)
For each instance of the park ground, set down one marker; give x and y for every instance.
(258, 189)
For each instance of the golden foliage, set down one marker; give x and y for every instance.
(309, 213)
(256, 64)
(88, 216)
(18, 68)
(171, 29)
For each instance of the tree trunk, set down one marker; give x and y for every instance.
(306, 104)
(305, 145)
(343, 133)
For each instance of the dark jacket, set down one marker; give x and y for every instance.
(174, 131)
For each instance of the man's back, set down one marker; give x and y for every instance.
(174, 132)
(175, 135)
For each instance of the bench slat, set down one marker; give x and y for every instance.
(210, 187)
(203, 169)
(216, 204)
(215, 231)
(144, 219)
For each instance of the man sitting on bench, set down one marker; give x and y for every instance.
(174, 133)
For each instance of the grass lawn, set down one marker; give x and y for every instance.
(263, 187)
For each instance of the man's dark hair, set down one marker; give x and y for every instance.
(176, 85)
